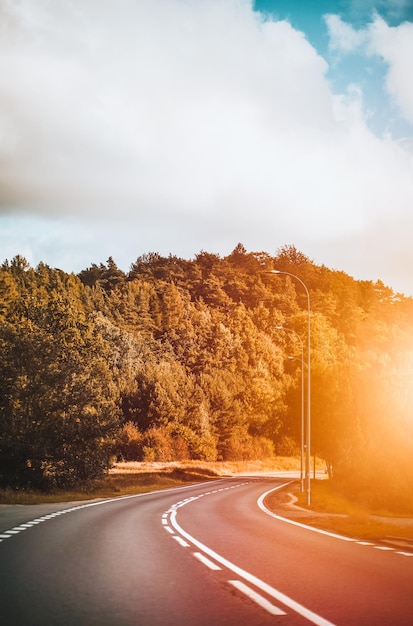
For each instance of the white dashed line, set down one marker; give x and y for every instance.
(274, 593)
(7, 534)
(206, 561)
(28, 525)
(181, 541)
(257, 598)
(260, 584)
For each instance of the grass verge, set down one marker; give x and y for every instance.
(130, 478)
(111, 486)
(330, 511)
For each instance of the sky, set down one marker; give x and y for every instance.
(177, 126)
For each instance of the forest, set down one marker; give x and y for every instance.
(203, 359)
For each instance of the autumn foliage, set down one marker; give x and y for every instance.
(185, 359)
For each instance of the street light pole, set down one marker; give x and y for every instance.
(291, 330)
(308, 422)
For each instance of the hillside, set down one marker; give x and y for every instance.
(202, 359)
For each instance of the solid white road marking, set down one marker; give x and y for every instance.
(260, 584)
(262, 506)
(206, 561)
(181, 541)
(257, 598)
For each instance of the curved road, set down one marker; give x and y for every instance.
(207, 554)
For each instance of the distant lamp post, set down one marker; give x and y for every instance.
(308, 422)
(293, 332)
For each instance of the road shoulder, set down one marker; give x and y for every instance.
(394, 531)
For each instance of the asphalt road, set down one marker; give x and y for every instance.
(207, 554)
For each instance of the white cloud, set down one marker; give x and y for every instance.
(145, 102)
(395, 46)
(343, 37)
(394, 9)
(177, 126)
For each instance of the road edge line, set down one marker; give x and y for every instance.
(254, 580)
(261, 505)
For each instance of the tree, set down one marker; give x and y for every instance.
(8, 292)
(59, 406)
(184, 356)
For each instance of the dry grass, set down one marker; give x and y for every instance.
(221, 468)
(129, 478)
(113, 485)
(332, 512)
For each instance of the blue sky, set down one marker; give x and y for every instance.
(310, 18)
(178, 126)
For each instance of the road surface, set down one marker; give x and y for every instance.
(202, 555)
